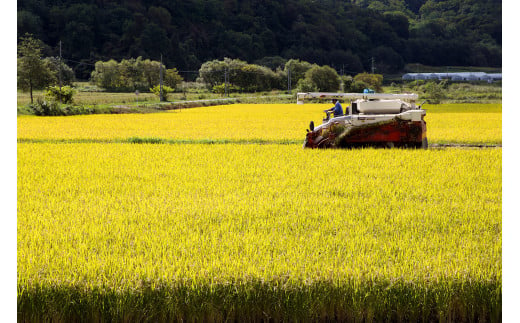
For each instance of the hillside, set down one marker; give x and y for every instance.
(342, 34)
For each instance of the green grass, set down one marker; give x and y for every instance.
(147, 99)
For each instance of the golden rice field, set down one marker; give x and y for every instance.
(271, 122)
(112, 231)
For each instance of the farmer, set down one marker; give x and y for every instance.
(337, 109)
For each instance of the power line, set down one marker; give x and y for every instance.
(73, 61)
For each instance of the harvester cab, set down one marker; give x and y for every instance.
(371, 119)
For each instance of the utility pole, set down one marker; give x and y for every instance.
(373, 67)
(161, 98)
(59, 72)
(289, 81)
(342, 79)
(226, 81)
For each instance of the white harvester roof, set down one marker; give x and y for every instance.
(409, 97)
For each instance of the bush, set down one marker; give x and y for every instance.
(64, 95)
(445, 84)
(374, 81)
(70, 110)
(52, 108)
(46, 108)
(172, 78)
(165, 91)
(306, 85)
(434, 92)
(221, 88)
(358, 86)
(347, 81)
(59, 67)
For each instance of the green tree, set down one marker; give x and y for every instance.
(57, 67)
(63, 95)
(32, 71)
(298, 69)
(166, 90)
(306, 85)
(151, 72)
(131, 73)
(161, 16)
(154, 41)
(387, 60)
(375, 81)
(107, 75)
(252, 78)
(172, 78)
(434, 92)
(213, 72)
(324, 78)
(347, 81)
(28, 22)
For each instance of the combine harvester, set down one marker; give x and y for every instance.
(378, 120)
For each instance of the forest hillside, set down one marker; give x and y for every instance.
(347, 35)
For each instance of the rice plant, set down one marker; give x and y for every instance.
(155, 232)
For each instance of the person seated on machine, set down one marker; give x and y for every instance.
(337, 109)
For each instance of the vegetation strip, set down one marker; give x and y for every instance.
(258, 300)
(139, 140)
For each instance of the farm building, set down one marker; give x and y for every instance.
(455, 76)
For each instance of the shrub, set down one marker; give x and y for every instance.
(347, 81)
(221, 88)
(306, 85)
(70, 110)
(434, 92)
(374, 81)
(172, 78)
(165, 91)
(63, 95)
(46, 108)
(358, 86)
(53, 108)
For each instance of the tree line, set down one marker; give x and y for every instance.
(133, 74)
(35, 72)
(346, 35)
